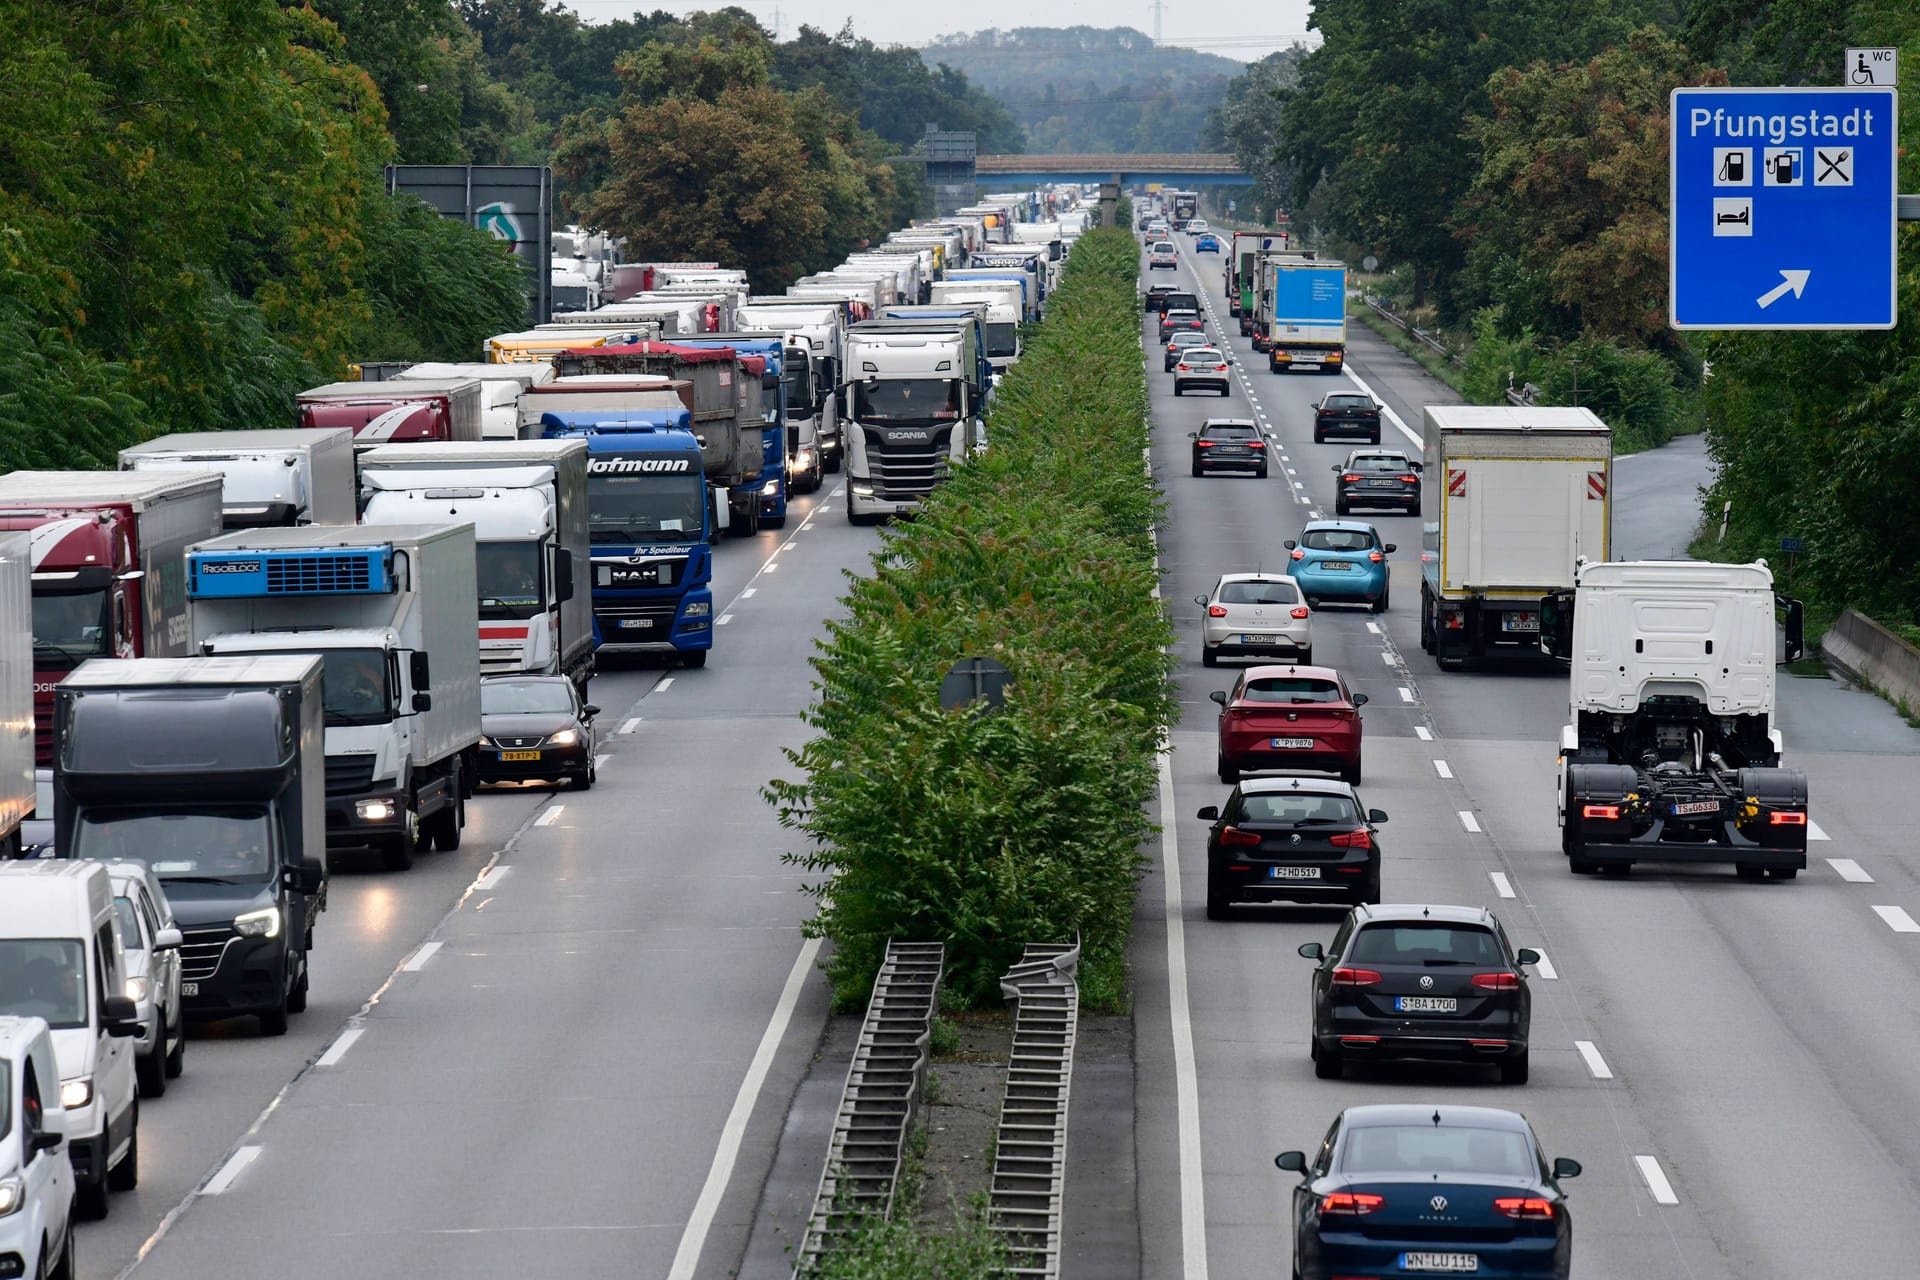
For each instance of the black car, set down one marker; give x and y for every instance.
(535, 727)
(1291, 840)
(1421, 982)
(1228, 444)
(1421, 1189)
(1346, 414)
(1180, 300)
(1377, 478)
(1176, 320)
(1155, 301)
(1184, 338)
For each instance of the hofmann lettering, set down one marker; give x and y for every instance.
(637, 466)
(1857, 123)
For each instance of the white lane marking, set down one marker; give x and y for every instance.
(1386, 656)
(338, 1049)
(418, 960)
(1470, 822)
(1386, 409)
(222, 1182)
(1897, 919)
(1442, 768)
(1656, 1180)
(1374, 627)
(1292, 472)
(1601, 1071)
(492, 878)
(664, 685)
(1850, 871)
(1544, 967)
(1193, 1206)
(550, 817)
(770, 567)
(1406, 694)
(748, 593)
(630, 725)
(822, 507)
(1423, 733)
(808, 525)
(600, 762)
(725, 618)
(686, 1259)
(1501, 885)
(1815, 833)
(1315, 513)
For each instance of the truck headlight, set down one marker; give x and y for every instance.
(136, 989)
(770, 488)
(373, 810)
(13, 1194)
(76, 1093)
(264, 923)
(698, 609)
(863, 490)
(564, 738)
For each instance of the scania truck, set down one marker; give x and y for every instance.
(912, 409)
(269, 477)
(1004, 301)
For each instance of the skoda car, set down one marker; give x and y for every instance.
(1342, 561)
(1377, 478)
(1429, 982)
(1255, 615)
(1292, 717)
(1400, 1190)
(1291, 840)
(535, 727)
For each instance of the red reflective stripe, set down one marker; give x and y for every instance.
(503, 633)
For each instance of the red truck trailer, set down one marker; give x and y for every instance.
(398, 411)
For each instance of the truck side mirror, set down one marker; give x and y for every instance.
(419, 674)
(308, 878)
(1556, 625)
(423, 702)
(1794, 624)
(563, 576)
(46, 1140)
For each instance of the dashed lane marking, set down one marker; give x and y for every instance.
(550, 817)
(630, 725)
(1421, 732)
(1849, 870)
(1897, 919)
(1501, 885)
(664, 685)
(1470, 822)
(418, 960)
(493, 876)
(1601, 1071)
(1656, 1180)
(1406, 694)
(338, 1049)
(1387, 657)
(725, 618)
(1815, 833)
(748, 593)
(1442, 768)
(1374, 627)
(222, 1182)
(1544, 967)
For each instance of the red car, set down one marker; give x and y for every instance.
(1290, 717)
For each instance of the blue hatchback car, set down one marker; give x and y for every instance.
(1341, 562)
(1206, 244)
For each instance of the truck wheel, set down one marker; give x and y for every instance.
(125, 1176)
(398, 852)
(64, 1269)
(90, 1199)
(273, 1022)
(773, 522)
(694, 658)
(1749, 871)
(1426, 620)
(1577, 861)
(297, 998)
(442, 830)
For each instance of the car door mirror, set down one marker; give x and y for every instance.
(1376, 815)
(1217, 696)
(1201, 600)
(168, 939)
(1312, 951)
(589, 711)
(1565, 1168)
(1289, 544)
(1336, 469)
(46, 1140)
(119, 1018)
(1390, 548)
(1418, 466)
(1193, 435)
(1526, 955)
(1211, 813)
(1291, 1161)
(1361, 699)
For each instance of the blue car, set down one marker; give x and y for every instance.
(1401, 1190)
(1206, 244)
(1341, 562)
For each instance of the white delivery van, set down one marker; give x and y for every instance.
(36, 1178)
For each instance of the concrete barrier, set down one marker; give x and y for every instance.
(1874, 656)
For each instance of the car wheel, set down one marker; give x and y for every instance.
(64, 1269)
(1782, 873)
(1413, 508)
(150, 1070)
(1369, 891)
(1749, 871)
(1514, 1069)
(1261, 474)
(1340, 507)
(1228, 773)
(1319, 437)
(1351, 773)
(1306, 657)
(125, 1176)
(1374, 438)
(1380, 605)
(1196, 469)
(1176, 389)
(1208, 658)
(582, 781)
(1218, 896)
(1328, 1065)
(1426, 622)
(177, 1058)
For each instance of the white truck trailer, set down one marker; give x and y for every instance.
(16, 690)
(277, 476)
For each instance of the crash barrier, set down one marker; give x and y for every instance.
(1400, 322)
(1030, 1155)
(1874, 656)
(877, 1106)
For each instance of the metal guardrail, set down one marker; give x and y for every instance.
(1421, 335)
(1030, 1154)
(877, 1106)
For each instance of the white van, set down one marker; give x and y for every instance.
(36, 1178)
(61, 959)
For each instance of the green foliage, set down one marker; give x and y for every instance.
(437, 287)
(894, 92)
(986, 831)
(874, 1248)
(1245, 123)
(1634, 392)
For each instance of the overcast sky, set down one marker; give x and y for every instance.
(1243, 29)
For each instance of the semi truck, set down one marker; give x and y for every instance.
(212, 772)
(527, 502)
(1184, 207)
(1306, 313)
(1518, 495)
(973, 314)
(1671, 752)
(109, 571)
(280, 476)
(1004, 301)
(818, 328)
(912, 409)
(1243, 273)
(651, 517)
(16, 690)
(500, 389)
(389, 609)
(767, 488)
(395, 410)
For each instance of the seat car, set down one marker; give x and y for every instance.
(1179, 342)
(1291, 840)
(1289, 717)
(152, 940)
(1200, 368)
(1342, 561)
(36, 1178)
(535, 727)
(1208, 243)
(1346, 414)
(1397, 1190)
(1180, 319)
(1255, 615)
(1228, 444)
(1377, 478)
(1420, 981)
(1162, 254)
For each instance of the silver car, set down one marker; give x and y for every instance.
(153, 974)
(1255, 615)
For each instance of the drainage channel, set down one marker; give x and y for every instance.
(876, 1107)
(1030, 1156)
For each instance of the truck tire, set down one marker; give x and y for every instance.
(443, 828)
(90, 1198)
(273, 1022)
(773, 522)
(694, 658)
(64, 1269)
(1426, 620)
(399, 849)
(297, 997)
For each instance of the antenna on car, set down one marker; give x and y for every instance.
(1436, 1117)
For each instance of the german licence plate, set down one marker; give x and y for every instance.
(636, 624)
(1683, 808)
(519, 755)
(189, 988)
(1293, 873)
(1292, 744)
(1451, 1263)
(1520, 622)
(1381, 484)
(1426, 1004)
(1336, 564)
(1257, 639)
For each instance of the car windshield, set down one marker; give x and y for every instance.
(1228, 431)
(1291, 689)
(130, 924)
(1426, 944)
(44, 978)
(523, 697)
(1377, 462)
(228, 844)
(1337, 540)
(1298, 806)
(1348, 402)
(1189, 340)
(1184, 302)
(68, 628)
(1438, 1149)
(508, 574)
(1178, 315)
(354, 687)
(1258, 593)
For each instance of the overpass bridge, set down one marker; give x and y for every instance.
(1169, 169)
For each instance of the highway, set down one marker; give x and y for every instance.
(1734, 1063)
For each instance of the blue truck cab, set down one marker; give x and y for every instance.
(651, 527)
(771, 484)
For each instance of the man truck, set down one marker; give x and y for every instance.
(276, 476)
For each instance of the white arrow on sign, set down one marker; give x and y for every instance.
(1794, 280)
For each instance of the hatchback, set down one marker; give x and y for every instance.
(1162, 254)
(1180, 342)
(1342, 561)
(1180, 319)
(535, 727)
(1255, 615)
(1200, 367)
(1229, 444)
(1289, 717)
(1291, 840)
(1426, 982)
(1377, 478)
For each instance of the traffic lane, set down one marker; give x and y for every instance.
(1656, 499)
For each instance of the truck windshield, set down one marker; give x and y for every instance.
(355, 681)
(642, 508)
(509, 576)
(798, 375)
(227, 844)
(907, 400)
(1003, 339)
(43, 978)
(68, 628)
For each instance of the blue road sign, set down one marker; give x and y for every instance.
(1784, 209)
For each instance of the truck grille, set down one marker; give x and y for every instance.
(201, 951)
(495, 662)
(637, 623)
(909, 470)
(348, 774)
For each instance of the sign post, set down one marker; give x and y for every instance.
(1784, 208)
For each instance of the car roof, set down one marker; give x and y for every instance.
(1421, 913)
(1351, 526)
(526, 677)
(1399, 1113)
(1227, 422)
(1257, 577)
(1290, 669)
(1286, 785)
(1375, 451)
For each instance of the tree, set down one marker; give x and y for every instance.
(1248, 119)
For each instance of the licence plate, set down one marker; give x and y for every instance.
(519, 755)
(1257, 639)
(1456, 1263)
(1336, 564)
(1302, 364)
(1293, 873)
(1381, 484)
(1426, 1004)
(189, 988)
(1682, 808)
(1520, 622)
(1292, 744)
(635, 624)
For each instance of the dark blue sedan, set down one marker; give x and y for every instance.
(1430, 1191)
(1206, 244)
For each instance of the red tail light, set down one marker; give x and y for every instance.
(1497, 981)
(1608, 811)
(1298, 554)
(1203, 444)
(1356, 977)
(1408, 479)
(1256, 444)
(1788, 819)
(1361, 839)
(1354, 1202)
(1375, 556)
(1349, 478)
(1528, 1207)
(1301, 611)
(1216, 611)
(1219, 368)
(1239, 839)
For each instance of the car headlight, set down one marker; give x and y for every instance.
(373, 810)
(489, 743)
(76, 1093)
(564, 738)
(698, 609)
(13, 1194)
(136, 989)
(264, 923)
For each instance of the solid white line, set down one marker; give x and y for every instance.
(221, 1182)
(1656, 1180)
(1601, 1071)
(725, 618)
(418, 959)
(1897, 919)
(664, 685)
(1374, 627)
(686, 1259)
(494, 876)
(1442, 768)
(630, 725)
(1193, 1205)
(1815, 833)
(1406, 694)
(1501, 885)
(1544, 967)
(1386, 409)
(1470, 822)
(1423, 733)
(338, 1049)
(1850, 871)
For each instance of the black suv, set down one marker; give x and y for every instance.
(1377, 478)
(1229, 444)
(1291, 840)
(1346, 413)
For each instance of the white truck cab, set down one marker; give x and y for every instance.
(36, 1178)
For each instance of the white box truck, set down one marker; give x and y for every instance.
(1520, 494)
(276, 476)
(390, 610)
(16, 689)
(527, 500)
